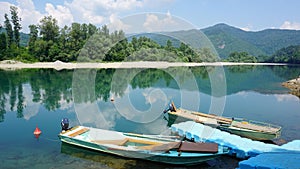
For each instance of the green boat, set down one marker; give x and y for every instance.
(157, 148)
(246, 128)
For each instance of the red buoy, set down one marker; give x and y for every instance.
(37, 132)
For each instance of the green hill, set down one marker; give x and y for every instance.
(228, 39)
(23, 36)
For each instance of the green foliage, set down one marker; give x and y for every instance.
(17, 26)
(11, 49)
(227, 39)
(3, 45)
(9, 31)
(241, 57)
(49, 29)
(86, 42)
(33, 37)
(290, 54)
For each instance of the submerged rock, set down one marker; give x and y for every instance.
(293, 85)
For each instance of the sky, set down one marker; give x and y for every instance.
(249, 15)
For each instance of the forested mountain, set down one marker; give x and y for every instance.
(23, 36)
(228, 39)
(290, 54)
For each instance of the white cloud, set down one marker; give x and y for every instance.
(119, 4)
(129, 111)
(154, 95)
(26, 4)
(285, 97)
(28, 14)
(156, 23)
(290, 25)
(61, 13)
(117, 24)
(96, 12)
(65, 105)
(100, 11)
(4, 8)
(26, 11)
(247, 28)
(89, 114)
(242, 93)
(31, 108)
(85, 11)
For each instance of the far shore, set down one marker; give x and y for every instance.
(9, 64)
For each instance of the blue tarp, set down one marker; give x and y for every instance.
(273, 160)
(240, 147)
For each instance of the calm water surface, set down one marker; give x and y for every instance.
(42, 97)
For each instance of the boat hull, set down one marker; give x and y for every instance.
(261, 136)
(170, 157)
(252, 134)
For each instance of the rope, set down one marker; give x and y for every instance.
(49, 139)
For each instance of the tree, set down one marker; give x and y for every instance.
(17, 26)
(241, 57)
(84, 31)
(75, 37)
(41, 50)
(169, 45)
(33, 37)
(105, 30)
(134, 43)
(290, 54)
(9, 31)
(92, 29)
(3, 45)
(49, 29)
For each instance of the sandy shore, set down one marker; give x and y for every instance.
(8, 64)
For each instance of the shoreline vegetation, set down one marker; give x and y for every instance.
(47, 42)
(58, 65)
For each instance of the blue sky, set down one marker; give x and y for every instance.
(250, 15)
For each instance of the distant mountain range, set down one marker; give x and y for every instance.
(227, 39)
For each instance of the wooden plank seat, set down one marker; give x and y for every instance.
(161, 147)
(183, 147)
(198, 147)
(81, 131)
(120, 142)
(204, 116)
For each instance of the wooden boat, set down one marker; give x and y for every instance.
(245, 128)
(147, 147)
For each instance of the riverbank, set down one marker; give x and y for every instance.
(293, 85)
(10, 64)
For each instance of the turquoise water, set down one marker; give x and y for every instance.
(42, 97)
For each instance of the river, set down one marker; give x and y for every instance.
(132, 100)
